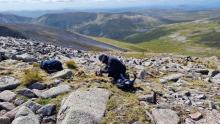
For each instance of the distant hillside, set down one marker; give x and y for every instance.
(6, 32)
(201, 37)
(54, 36)
(180, 15)
(206, 32)
(116, 26)
(8, 18)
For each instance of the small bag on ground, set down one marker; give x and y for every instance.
(51, 66)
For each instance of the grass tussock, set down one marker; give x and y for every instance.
(199, 84)
(36, 65)
(31, 76)
(71, 64)
(123, 107)
(217, 98)
(211, 62)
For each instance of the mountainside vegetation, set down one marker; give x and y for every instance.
(190, 38)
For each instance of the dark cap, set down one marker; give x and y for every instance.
(103, 58)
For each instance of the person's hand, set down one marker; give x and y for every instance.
(98, 73)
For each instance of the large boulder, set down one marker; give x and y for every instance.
(165, 116)
(8, 83)
(25, 57)
(7, 96)
(83, 107)
(172, 77)
(23, 111)
(38, 86)
(47, 110)
(26, 92)
(26, 116)
(5, 120)
(216, 79)
(210, 117)
(53, 92)
(33, 106)
(7, 106)
(64, 74)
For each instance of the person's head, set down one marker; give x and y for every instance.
(103, 58)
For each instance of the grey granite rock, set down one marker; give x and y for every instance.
(165, 116)
(8, 83)
(7, 96)
(53, 92)
(83, 107)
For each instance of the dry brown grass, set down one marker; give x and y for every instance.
(71, 64)
(31, 75)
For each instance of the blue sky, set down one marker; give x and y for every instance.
(6, 5)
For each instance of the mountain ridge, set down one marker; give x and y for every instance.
(58, 37)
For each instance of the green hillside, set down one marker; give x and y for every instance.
(120, 44)
(191, 38)
(205, 33)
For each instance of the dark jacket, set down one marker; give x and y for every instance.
(114, 67)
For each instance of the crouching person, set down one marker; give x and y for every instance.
(117, 70)
(51, 66)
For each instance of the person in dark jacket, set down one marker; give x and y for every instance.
(117, 70)
(114, 67)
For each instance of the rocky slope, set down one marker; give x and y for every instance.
(170, 89)
(54, 36)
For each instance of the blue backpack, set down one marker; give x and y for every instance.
(51, 66)
(125, 83)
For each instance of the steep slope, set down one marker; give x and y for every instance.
(57, 37)
(6, 32)
(112, 25)
(9, 18)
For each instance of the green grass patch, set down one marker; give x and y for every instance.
(154, 34)
(120, 44)
(71, 64)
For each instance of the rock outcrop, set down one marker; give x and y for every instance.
(83, 107)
